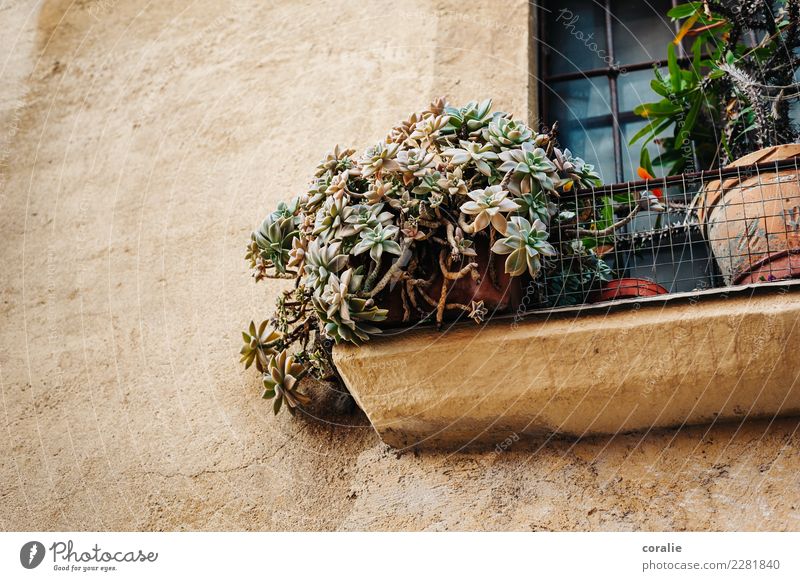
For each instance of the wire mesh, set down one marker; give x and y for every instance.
(685, 233)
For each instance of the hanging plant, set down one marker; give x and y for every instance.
(444, 217)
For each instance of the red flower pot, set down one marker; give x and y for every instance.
(626, 288)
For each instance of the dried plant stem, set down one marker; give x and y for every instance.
(452, 240)
(492, 272)
(442, 303)
(467, 228)
(406, 309)
(373, 274)
(444, 264)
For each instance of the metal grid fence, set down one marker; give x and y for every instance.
(690, 232)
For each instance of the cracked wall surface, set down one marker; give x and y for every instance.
(141, 143)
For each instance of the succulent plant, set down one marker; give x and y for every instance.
(580, 272)
(453, 183)
(535, 205)
(281, 381)
(377, 240)
(468, 121)
(364, 216)
(274, 241)
(322, 260)
(506, 133)
(429, 186)
(432, 194)
(380, 190)
(574, 171)
(429, 129)
(525, 245)
(297, 255)
(463, 245)
(477, 311)
(415, 163)
(336, 161)
(530, 165)
(259, 343)
(345, 315)
(317, 193)
(481, 154)
(380, 158)
(489, 206)
(331, 218)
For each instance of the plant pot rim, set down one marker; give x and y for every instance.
(709, 202)
(629, 287)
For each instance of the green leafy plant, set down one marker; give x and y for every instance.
(731, 96)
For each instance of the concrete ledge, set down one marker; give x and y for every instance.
(665, 365)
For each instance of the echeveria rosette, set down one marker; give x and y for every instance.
(468, 121)
(346, 317)
(317, 193)
(336, 161)
(331, 217)
(259, 345)
(274, 240)
(506, 133)
(281, 381)
(574, 171)
(364, 216)
(480, 154)
(429, 129)
(489, 206)
(529, 164)
(415, 163)
(322, 260)
(536, 205)
(525, 244)
(378, 240)
(380, 158)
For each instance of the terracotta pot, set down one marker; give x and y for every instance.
(625, 288)
(507, 295)
(753, 223)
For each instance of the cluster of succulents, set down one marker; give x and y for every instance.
(373, 233)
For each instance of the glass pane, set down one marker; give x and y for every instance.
(634, 89)
(641, 31)
(583, 111)
(578, 100)
(596, 146)
(574, 37)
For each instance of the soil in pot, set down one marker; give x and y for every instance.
(752, 223)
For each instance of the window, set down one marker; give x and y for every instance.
(596, 61)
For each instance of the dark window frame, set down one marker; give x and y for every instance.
(612, 72)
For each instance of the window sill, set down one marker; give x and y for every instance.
(688, 359)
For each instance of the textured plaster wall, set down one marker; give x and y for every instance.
(141, 142)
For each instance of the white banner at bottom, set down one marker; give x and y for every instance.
(389, 556)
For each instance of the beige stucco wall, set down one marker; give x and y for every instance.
(145, 141)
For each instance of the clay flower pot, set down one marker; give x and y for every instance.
(752, 223)
(626, 288)
(503, 298)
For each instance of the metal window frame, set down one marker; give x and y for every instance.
(614, 119)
